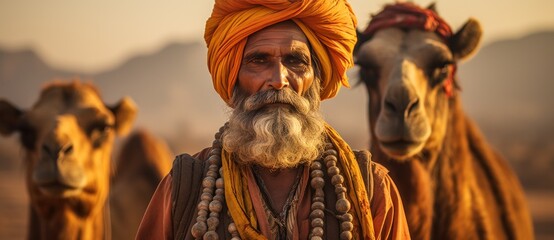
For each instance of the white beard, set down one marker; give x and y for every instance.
(275, 136)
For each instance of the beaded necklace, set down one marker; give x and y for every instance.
(210, 205)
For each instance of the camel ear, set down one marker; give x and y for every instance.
(125, 112)
(433, 7)
(466, 40)
(9, 117)
(359, 41)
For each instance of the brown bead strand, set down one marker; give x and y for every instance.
(318, 201)
(232, 228)
(205, 227)
(343, 204)
(215, 207)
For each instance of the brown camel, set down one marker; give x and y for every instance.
(453, 184)
(142, 162)
(68, 136)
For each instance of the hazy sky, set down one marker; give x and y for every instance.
(94, 35)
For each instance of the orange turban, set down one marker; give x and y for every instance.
(329, 25)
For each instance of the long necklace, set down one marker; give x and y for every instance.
(210, 206)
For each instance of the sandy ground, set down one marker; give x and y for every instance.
(13, 205)
(14, 201)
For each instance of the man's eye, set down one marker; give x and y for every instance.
(258, 60)
(296, 62)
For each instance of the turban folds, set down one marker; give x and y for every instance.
(329, 25)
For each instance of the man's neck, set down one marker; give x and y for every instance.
(278, 184)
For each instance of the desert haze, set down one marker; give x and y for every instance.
(506, 88)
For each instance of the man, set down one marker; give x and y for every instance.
(276, 170)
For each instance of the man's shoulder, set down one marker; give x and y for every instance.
(187, 172)
(364, 157)
(185, 160)
(379, 170)
(373, 173)
(199, 155)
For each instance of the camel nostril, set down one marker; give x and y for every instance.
(390, 106)
(46, 150)
(412, 106)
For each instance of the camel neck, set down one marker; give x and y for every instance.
(65, 224)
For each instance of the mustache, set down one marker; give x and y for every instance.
(272, 96)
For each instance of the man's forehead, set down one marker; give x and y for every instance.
(286, 31)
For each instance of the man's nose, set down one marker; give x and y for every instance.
(279, 77)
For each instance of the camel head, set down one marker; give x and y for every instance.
(67, 137)
(407, 58)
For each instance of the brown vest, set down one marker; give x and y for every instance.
(188, 173)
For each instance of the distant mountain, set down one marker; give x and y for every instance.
(509, 83)
(172, 88)
(22, 74)
(506, 87)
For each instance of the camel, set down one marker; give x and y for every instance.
(453, 184)
(141, 164)
(67, 138)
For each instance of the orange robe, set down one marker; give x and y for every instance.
(389, 220)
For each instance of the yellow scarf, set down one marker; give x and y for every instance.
(237, 195)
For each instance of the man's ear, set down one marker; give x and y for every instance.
(466, 40)
(9, 117)
(125, 112)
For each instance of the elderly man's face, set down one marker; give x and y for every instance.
(276, 57)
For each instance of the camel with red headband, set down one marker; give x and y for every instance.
(453, 184)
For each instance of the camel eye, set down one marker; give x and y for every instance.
(28, 135)
(439, 72)
(99, 132)
(369, 74)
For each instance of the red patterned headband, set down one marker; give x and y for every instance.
(409, 15)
